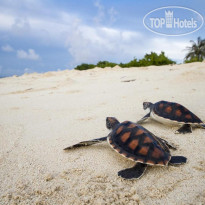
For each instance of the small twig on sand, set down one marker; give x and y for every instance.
(126, 81)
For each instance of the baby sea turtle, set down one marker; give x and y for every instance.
(137, 144)
(172, 113)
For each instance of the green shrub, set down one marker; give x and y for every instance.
(193, 59)
(103, 64)
(84, 66)
(149, 59)
(154, 59)
(132, 63)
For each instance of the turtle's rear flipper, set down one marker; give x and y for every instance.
(144, 118)
(87, 143)
(134, 172)
(176, 160)
(171, 146)
(186, 128)
(203, 126)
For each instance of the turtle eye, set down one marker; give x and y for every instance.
(145, 105)
(108, 124)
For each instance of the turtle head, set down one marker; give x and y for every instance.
(111, 122)
(147, 105)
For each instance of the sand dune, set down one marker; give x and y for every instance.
(43, 113)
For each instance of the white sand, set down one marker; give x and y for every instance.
(43, 113)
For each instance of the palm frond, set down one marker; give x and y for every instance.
(190, 55)
(196, 50)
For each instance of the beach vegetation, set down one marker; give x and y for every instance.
(196, 52)
(149, 59)
(103, 64)
(193, 59)
(84, 66)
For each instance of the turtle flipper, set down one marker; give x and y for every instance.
(168, 144)
(203, 126)
(186, 128)
(176, 160)
(144, 118)
(134, 172)
(87, 143)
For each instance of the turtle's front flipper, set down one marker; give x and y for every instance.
(135, 172)
(176, 160)
(186, 128)
(144, 118)
(87, 143)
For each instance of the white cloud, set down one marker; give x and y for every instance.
(21, 26)
(6, 21)
(104, 14)
(91, 44)
(173, 48)
(7, 48)
(101, 12)
(88, 43)
(31, 55)
(113, 13)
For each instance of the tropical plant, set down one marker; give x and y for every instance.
(103, 64)
(84, 66)
(196, 52)
(149, 59)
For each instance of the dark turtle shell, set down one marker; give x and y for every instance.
(176, 112)
(138, 144)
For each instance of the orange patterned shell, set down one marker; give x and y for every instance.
(176, 112)
(138, 144)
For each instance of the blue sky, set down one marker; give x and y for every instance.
(47, 35)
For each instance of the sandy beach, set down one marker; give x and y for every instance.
(41, 114)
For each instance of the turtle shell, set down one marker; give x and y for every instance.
(176, 112)
(138, 144)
